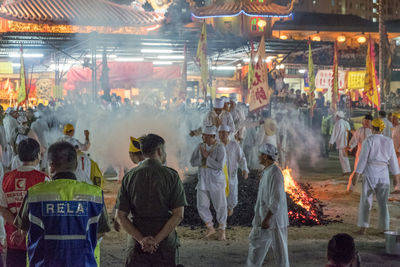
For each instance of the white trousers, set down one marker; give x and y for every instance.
(381, 190)
(344, 161)
(232, 199)
(2, 231)
(259, 242)
(218, 200)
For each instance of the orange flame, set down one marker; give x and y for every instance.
(298, 196)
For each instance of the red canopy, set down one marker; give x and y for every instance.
(124, 74)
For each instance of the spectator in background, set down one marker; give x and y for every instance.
(342, 252)
(320, 102)
(388, 125)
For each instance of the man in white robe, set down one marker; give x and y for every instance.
(234, 159)
(69, 132)
(376, 159)
(238, 118)
(388, 125)
(10, 126)
(339, 136)
(356, 141)
(41, 128)
(216, 117)
(270, 220)
(210, 157)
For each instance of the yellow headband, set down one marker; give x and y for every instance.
(134, 145)
(68, 127)
(378, 123)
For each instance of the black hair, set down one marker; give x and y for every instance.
(341, 249)
(28, 150)
(377, 129)
(63, 156)
(382, 113)
(368, 117)
(150, 143)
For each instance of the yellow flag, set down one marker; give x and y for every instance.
(202, 57)
(371, 81)
(22, 87)
(226, 173)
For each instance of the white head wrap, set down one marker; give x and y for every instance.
(224, 128)
(340, 114)
(212, 130)
(218, 103)
(9, 110)
(233, 97)
(269, 150)
(225, 99)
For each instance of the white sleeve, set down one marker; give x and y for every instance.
(218, 161)
(354, 139)
(195, 159)
(363, 159)
(277, 191)
(242, 160)
(335, 134)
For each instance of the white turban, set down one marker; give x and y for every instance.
(218, 103)
(269, 150)
(225, 99)
(233, 97)
(340, 114)
(212, 130)
(224, 128)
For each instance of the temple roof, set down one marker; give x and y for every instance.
(77, 12)
(246, 7)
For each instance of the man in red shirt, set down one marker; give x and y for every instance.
(13, 190)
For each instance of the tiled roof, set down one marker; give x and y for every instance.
(78, 12)
(243, 7)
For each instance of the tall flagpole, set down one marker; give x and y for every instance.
(381, 83)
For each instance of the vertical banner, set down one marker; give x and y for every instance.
(335, 79)
(22, 95)
(371, 86)
(201, 58)
(259, 95)
(311, 80)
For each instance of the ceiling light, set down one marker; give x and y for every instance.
(157, 44)
(302, 71)
(361, 39)
(162, 62)
(341, 39)
(283, 37)
(159, 51)
(223, 68)
(25, 55)
(316, 38)
(171, 57)
(129, 59)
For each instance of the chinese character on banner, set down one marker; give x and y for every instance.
(259, 95)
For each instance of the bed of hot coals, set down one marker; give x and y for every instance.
(303, 208)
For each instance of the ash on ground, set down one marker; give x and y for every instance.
(247, 196)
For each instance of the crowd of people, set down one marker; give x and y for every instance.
(51, 188)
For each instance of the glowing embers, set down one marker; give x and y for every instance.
(308, 210)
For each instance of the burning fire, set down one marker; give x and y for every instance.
(300, 197)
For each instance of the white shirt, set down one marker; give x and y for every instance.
(225, 117)
(211, 176)
(359, 136)
(377, 157)
(10, 124)
(41, 129)
(388, 127)
(271, 197)
(340, 133)
(238, 119)
(396, 138)
(82, 172)
(235, 158)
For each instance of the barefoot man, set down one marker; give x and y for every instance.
(376, 158)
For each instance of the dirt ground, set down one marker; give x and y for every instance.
(307, 245)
